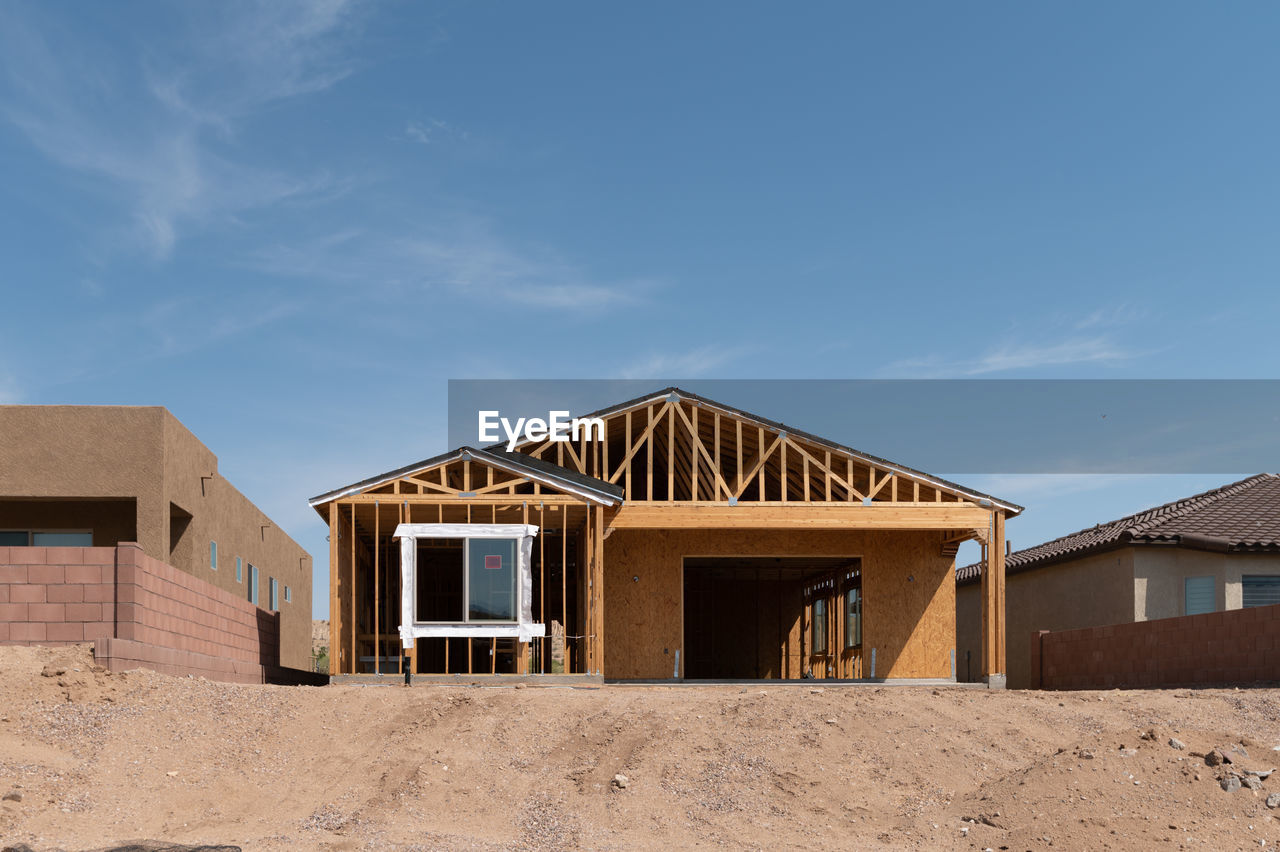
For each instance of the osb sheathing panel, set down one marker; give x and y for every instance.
(908, 589)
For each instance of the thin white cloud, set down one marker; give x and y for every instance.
(691, 364)
(433, 131)
(158, 134)
(470, 262)
(1008, 357)
(1112, 316)
(1032, 487)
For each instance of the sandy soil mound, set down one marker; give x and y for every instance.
(89, 758)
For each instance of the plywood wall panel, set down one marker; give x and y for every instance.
(909, 609)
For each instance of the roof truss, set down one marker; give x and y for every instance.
(673, 448)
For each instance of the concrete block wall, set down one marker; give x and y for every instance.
(57, 595)
(136, 610)
(1231, 647)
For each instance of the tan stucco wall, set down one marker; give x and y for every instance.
(146, 455)
(1088, 592)
(1159, 574)
(908, 590)
(88, 451)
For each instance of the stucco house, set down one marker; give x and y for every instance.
(116, 527)
(1219, 550)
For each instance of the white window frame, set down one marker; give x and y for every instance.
(523, 628)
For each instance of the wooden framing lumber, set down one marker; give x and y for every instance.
(779, 515)
(993, 603)
(335, 607)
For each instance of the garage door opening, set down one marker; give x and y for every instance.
(757, 618)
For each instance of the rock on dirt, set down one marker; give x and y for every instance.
(1230, 783)
(620, 781)
(1273, 801)
(1176, 743)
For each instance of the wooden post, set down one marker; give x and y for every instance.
(588, 589)
(355, 616)
(542, 582)
(564, 588)
(335, 607)
(993, 605)
(377, 620)
(400, 587)
(599, 590)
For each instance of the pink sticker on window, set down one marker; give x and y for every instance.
(493, 563)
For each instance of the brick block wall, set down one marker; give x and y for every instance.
(136, 609)
(1232, 647)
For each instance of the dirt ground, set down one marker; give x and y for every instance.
(101, 758)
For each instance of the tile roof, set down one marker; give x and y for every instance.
(1241, 516)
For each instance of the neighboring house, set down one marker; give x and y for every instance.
(682, 538)
(77, 480)
(1214, 551)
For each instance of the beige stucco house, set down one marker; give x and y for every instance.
(1214, 551)
(93, 476)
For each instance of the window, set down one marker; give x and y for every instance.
(273, 594)
(853, 617)
(288, 595)
(1260, 589)
(46, 538)
(1199, 595)
(239, 571)
(213, 555)
(491, 579)
(253, 584)
(819, 626)
(465, 580)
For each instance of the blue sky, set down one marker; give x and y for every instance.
(292, 223)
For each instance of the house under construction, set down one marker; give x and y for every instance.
(683, 539)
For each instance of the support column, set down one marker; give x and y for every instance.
(994, 663)
(335, 613)
(599, 590)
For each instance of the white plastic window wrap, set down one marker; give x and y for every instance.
(523, 630)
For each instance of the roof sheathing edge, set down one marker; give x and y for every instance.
(456, 455)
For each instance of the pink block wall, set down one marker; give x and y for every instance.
(62, 595)
(1235, 646)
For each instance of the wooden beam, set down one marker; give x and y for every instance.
(993, 604)
(758, 465)
(599, 590)
(499, 500)
(777, 515)
(355, 617)
(335, 604)
(377, 588)
(699, 447)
